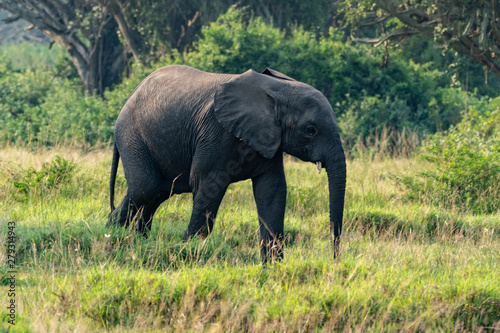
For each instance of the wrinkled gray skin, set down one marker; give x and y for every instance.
(184, 130)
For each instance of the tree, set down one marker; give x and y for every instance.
(153, 28)
(470, 27)
(85, 28)
(101, 35)
(315, 15)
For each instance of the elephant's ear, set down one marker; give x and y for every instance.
(276, 74)
(246, 107)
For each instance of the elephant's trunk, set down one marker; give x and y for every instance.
(336, 171)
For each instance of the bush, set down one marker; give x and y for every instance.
(21, 90)
(64, 114)
(32, 100)
(32, 55)
(50, 176)
(466, 164)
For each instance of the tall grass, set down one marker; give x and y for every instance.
(404, 265)
(389, 142)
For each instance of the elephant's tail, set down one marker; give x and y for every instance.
(112, 180)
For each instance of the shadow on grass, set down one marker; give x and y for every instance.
(64, 244)
(432, 225)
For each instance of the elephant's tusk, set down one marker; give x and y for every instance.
(318, 164)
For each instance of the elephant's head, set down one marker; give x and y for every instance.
(271, 111)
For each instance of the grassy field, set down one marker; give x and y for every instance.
(404, 266)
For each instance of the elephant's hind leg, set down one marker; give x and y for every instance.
(137, 210)
(119, 216)
(146, 186)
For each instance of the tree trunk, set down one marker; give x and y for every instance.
(95, 49)
(130, 35)
(106, 62)
(100, 65)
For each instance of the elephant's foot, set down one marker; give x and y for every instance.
(271, 251)
(202, 232)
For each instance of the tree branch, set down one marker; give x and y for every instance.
(394, 35)
(494, 18)
(89, 46)
(59, 33)
(45, 14)
(404, 16)
(376, 20)
(20, 11)
(63, 11)
(469, 48)
(129, 35)
(472, 29)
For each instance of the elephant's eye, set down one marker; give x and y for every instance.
(311, 131)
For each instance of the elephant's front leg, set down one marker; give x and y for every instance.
(270, 196)
(207, 197)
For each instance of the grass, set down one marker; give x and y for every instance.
(404, 266)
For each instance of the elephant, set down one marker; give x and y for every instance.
(184, 130)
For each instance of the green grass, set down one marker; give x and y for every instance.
(404, 266)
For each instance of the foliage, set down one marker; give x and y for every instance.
(462, 70)
(46, 106)
(315, 16)
(66, 114)
(51, 175)
(31, 55)
(21, 90)
(167, 26)
(428, 263)
(469, 27)
(150, 29)
(25, 90)
(86, 29)
(102, 35)
(466, 161)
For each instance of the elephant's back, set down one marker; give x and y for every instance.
(171, 100)
(173, 90)
(168, 112)
(179, 80)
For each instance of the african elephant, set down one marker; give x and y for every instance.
(184, 130)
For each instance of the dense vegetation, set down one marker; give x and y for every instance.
(421, 242)
(47, 105)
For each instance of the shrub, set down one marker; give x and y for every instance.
(48, 106)
(30, 55)
(66, 114)
(50, 176)
(21, 90)
(466, 164)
